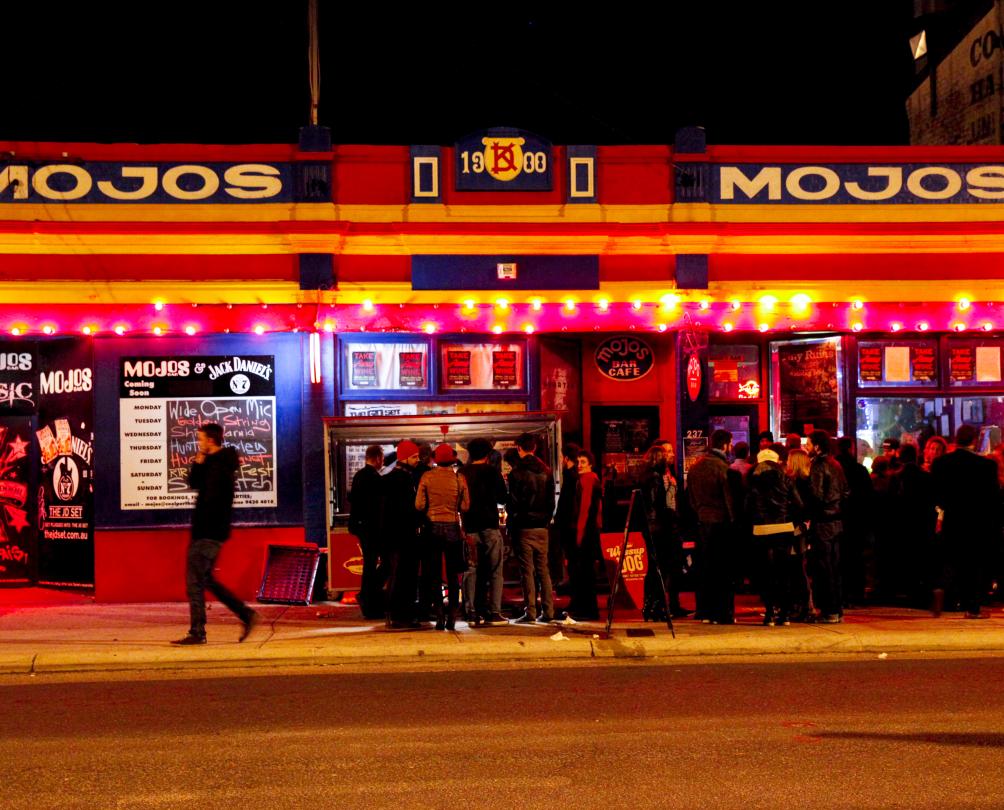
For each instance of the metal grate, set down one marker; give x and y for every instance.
(289, 574)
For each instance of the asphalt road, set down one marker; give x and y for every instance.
(872, 733)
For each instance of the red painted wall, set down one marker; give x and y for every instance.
(148, 565)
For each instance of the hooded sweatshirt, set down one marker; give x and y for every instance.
(214, 480)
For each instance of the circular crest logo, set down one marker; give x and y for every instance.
(503, 157)
(624, 357)
(240, 384)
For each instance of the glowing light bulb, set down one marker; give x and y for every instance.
(662, 327)
(857, 303)
(502, 303)
(895, 326)
(987, 326)
(959, 327)
(429, 328)
(157, 330)
(922, 326)
(964, 304)
(537, 304)
(329, 326)
(48, 329)
(158, 305)
(800, 302)
(190, 330)
(636, 304)
(120, 330)
(669, 302)
(570, 305)
(857, 326)
(704, 305)
(469, 304)
(603, 304)
(529, 329)
(497, 329)
(764, 327)
(727, 326)
(15, 331)
(259, 330)
(367, 305)
(87, 330)
(768, 303)
(736, 304)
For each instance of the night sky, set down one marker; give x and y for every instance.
(228, 72)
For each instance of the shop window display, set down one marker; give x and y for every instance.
(909, 419)
(735, 371)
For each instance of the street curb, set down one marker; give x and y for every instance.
(439, 650)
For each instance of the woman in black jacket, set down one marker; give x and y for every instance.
(773, 504)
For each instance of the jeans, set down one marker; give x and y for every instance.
(483, 584)
(448, 546)
(202, 556)
(826, 590)
(533, 560)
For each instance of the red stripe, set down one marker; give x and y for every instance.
(148, 267)
(891, 267)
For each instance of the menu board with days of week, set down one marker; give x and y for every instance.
(164, 402)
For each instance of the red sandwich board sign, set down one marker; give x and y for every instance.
(635, 563)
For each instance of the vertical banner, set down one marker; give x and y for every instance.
(17, 524)
(692, 399)
(163, 403)
(66, 473)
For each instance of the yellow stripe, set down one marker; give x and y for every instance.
(528, 214)
(405, 245)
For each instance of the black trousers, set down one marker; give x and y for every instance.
(781, 566)
(402, 578)
(375, 572)
(582, 572)
(202, 556)
(717, 597)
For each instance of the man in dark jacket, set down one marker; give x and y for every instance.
(531, 507)
(212, 475)
(487, 489)
(366, 523)
(914, 499)
(711, 498)
(856, 519)
(564, 517)
(967, 490)
(827, 493)
(399, 542)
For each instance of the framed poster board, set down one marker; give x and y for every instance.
(370, 366)
(897, 363)
(974, 363)
(495, 366)
(807, 386)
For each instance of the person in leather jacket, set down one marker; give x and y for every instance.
(659, 491)
(827, 492)
(773, 504)
(711, 498)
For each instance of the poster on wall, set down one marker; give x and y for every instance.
(458, 368)
(561, 383)
(504, 368)
(490, 366)
(382, 366)
(17, 520)
(808, 387)
(65, 438)
(163, 402)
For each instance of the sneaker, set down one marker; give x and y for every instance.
(545, 619)
(830, 618)
(249, 624)
(526, 618)
(189, 640)
(496, 620)
(451, 623)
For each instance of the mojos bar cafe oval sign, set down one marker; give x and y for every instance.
(624, 358)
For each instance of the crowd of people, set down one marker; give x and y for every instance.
(422, 524)
(821, 532)
(807, 525)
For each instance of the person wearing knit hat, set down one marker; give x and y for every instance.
(442, 495)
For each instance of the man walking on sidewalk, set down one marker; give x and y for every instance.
(531, 507)
(212, 475)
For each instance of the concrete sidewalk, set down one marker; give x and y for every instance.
(76, 635)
